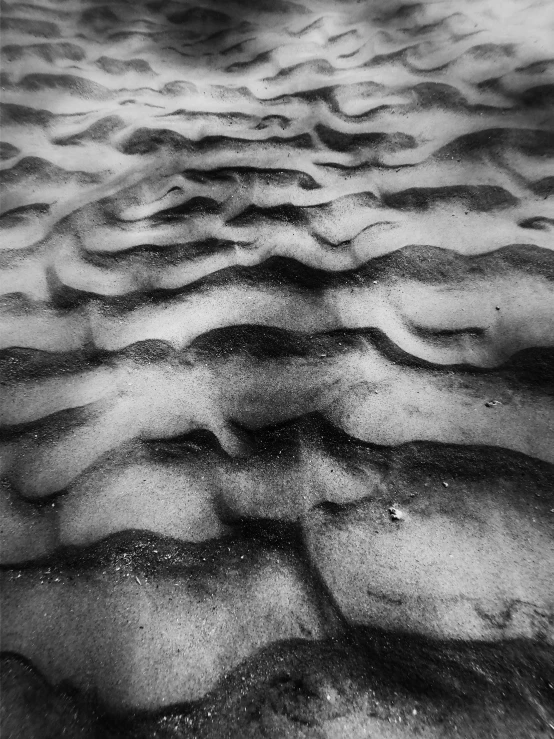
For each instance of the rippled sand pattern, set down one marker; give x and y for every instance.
(276, 357)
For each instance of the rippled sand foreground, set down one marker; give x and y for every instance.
(277, 369)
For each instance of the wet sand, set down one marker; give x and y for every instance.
(276, 369)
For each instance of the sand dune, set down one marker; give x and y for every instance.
(276, 386)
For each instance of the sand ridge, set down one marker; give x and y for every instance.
(276, 334)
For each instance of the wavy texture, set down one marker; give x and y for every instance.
(276, 334)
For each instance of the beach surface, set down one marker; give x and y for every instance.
(277, 369)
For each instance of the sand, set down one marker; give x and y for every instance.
(276, 369)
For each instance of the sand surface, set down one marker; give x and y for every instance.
(277, 369)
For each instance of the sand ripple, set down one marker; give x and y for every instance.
(276, 351)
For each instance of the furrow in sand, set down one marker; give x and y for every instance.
(454, 540)
(252, 425)
(437, 305)
(329, 218)
(231, 385)
(388, 100)
(164, 620)
(338, 687)
(339, 118)
(193, 206)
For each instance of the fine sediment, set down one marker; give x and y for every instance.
(276, 369)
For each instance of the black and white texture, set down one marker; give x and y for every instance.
(277, 369)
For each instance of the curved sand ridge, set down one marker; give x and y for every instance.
(419, 297)
(276, 334)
